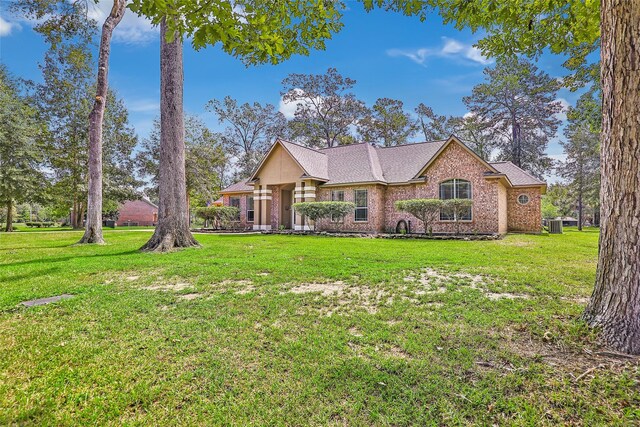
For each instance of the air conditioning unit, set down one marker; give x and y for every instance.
(555, 226)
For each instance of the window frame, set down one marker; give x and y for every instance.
(361, 208)
(525, 195)
(252, 204)
(337, 199)
(455, 196)
(239, 199)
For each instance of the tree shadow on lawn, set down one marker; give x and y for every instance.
(68, 258)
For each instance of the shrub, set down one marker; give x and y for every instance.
(456, 206)
(218, 215)
(426, 210)
(321, 210)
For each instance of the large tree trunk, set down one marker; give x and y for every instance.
(9, 227)
(615, 303)
(93, 230)
(172, 230)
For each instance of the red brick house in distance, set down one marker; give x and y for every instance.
(505, 197)
(137, 212)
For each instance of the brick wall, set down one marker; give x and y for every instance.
(524, 218)
(137, 212)
(375, 200)
(243, 207)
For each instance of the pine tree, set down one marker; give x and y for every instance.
(521, 101)
(21, 176)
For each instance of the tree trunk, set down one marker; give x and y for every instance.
(9, 227)
(615, 303)
(580, 208)
(172, 230)
(93, 230)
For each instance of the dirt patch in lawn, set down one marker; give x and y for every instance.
(165, 287)
(429, 281)
(346, 298)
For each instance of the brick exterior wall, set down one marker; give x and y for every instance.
(243, 207)
(495, 209)
(137, 212)
(375, 202)
(524, 218)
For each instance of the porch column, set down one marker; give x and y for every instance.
(305, 191)
(262, 207)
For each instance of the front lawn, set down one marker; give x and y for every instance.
(299, 330)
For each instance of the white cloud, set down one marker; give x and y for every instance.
(288, 109)
(144, 106)
(7, 27)
(131, 30)
(450, 48)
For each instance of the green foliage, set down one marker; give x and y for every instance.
(254, 31)
(326, 108)
(549, 210)
(515, 27)
(426, 210)
(205, 160)
(387, 124)
(21, 154)
(520, 102)
(457, 207)
(218, 215)
(322, 210)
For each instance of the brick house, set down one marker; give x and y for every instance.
(505, 197)
(137, 212)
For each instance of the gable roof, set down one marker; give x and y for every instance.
(238, 187)
(365, 163)
(517, 176)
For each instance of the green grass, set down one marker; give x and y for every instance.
(215, 336)
(21, 227)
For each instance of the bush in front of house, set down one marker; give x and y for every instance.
(457, 206)
(218, 216)
(426, 210)
(322, 210)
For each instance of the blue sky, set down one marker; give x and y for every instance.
(389, 55)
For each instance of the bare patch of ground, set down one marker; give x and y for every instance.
(348, 297)
(189, 297)
(325, 289)
(246, 290)
(165, 287)
(431, 281)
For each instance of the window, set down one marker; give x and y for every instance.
(523, 199)
(362, 205)
(337, 196)
(235, 202)
(249, 208)
(455, 189)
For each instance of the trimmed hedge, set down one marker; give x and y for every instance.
(39, 224)
(321, 210)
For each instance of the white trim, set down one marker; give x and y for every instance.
(263, 191)
(262, 227)
(258, 198)
(526, 195)
(308, 187)
(305, 227)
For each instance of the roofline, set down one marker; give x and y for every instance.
(347, 184)
(266, 156)
(236, 192)
(444, 146)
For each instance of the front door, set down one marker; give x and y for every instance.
(285, 208)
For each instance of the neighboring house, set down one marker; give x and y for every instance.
(505, 197)
(137, 212)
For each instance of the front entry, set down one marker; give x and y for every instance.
(285, 207)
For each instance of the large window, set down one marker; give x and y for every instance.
(362, 205)
(250, 209)
(235, 202)
(455, 189)
(337, 196)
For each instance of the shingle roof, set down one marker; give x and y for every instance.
(367, 163)
(312, 161)
(403, 162)
(517, 176)
(353, 163)
(238, 187)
